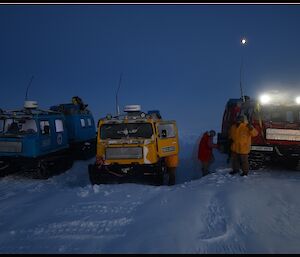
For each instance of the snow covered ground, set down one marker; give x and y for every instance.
(218, 213)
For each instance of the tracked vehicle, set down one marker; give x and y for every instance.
(33, 140)
(135, 145)
(44, 142)
(277, 120)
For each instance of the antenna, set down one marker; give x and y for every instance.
(117, 104)
(28, 87)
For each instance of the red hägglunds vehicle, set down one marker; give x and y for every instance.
(276, 117)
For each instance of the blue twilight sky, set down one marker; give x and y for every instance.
(181, 59)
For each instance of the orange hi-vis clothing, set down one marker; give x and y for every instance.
(172, 161)
(241, 138)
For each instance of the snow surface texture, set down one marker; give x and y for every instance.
(218, 213)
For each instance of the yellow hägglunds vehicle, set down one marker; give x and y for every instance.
(133, 145)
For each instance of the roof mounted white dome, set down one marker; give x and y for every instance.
(30, 105)
(132, 108)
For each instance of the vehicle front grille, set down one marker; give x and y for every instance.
(124, 153)
(11, 147)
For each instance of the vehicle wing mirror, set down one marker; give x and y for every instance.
(164, 133)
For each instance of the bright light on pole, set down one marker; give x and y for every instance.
(298, 100)
(243, 41)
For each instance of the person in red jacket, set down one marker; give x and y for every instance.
(205, 154)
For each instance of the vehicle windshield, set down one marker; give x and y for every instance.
(18, 126)
(287, 114)
(126, 130)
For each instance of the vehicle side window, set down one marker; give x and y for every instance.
(82, 122)
(29, 126)
(59, 126)
(8, 122)
(166, 130)
(45, 127)
(89, 121)
(1, 126)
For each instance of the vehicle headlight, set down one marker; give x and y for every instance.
(265, 99)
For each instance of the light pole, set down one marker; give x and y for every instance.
(244, 42)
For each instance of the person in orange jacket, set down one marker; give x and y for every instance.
(205, 154)
(240, 135)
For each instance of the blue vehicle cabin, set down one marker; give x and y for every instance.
(34, 140)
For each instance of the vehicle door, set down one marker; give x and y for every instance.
(45, 135)
(167, 138)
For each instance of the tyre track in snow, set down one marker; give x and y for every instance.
(218, 232)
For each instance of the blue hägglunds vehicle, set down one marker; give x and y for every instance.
(43, 141)
(81, 128)
(34, 140)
